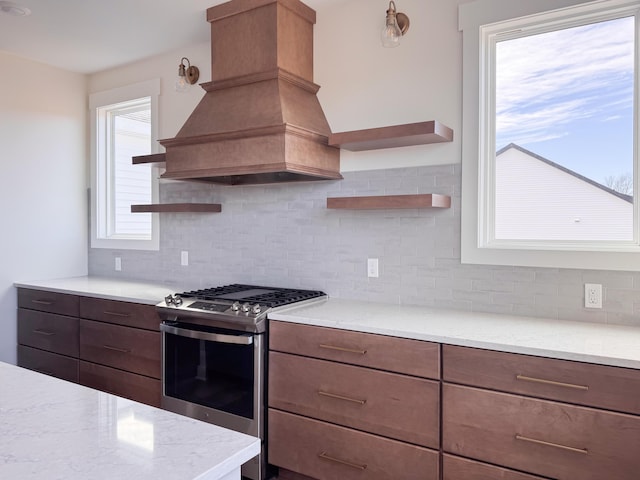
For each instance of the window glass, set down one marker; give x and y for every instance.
(550, 134)
(124, 126)
(131, 127)
(564, 132)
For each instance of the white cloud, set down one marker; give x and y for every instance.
(546, 81)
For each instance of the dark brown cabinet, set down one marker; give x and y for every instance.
(601, 386)
(458, 468)
(122, 383)
(42, 361)
(130, 349)
(345, 404)
(554, 418)
(352, 405)
(48, 333)
(326, 451)
(108, 345)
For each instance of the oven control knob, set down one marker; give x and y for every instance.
(246, 307)
(257, 308)
(177, 300)
(168, 299)
(235, 306)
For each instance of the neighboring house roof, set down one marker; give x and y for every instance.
(627, 198)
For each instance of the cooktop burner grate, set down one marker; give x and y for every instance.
(266, 296)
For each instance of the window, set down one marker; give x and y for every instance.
(549, 134)
(123, 126)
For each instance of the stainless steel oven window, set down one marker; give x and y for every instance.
(194, 385)
(210, 368)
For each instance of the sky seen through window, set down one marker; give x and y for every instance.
(567, 95)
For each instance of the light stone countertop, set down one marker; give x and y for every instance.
(108, 288)
(614, 345)
(582, 341)
(55, 430)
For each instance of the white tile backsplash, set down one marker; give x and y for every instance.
(283, 235)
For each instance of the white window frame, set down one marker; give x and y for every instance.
(477, 245)
(99, 212)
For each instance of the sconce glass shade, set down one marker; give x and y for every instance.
(391, 33)
(181, 84)
(396, 25)
(187, 75)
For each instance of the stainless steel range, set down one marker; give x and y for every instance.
(214, 356)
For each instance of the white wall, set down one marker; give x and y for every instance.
(363, 85)
(43, 182)
(174, 107)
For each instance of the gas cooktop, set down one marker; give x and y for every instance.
(236, 306)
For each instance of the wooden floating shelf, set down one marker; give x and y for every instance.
(178, 208)
(153, 158)
(395, 136)
(428, 200)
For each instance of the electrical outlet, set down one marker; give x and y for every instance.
(184, 258)
(592, 295)
(372, 267)
(118, 264)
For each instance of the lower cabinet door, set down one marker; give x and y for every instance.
(330, 452)
(48, 331)
(124, 384)
(48, 363)
(456, 468)
(125, 348)
(391, 405)
(547, 438)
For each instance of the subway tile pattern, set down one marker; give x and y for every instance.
(283, 235)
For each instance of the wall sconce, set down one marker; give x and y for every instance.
(395, 26)
(187, 75)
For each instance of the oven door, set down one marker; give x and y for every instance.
(213, 375)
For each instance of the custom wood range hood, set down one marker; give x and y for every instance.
(260, 120)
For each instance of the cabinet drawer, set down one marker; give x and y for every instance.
(130, 349)
(284, 474)
(121, 313)
(48, 331)
(413, 357)
(389, 404)
(329, 452)
(565, 442)
(48, 363)
(613, 388)
(60, 303)
(456, 468)
(124, 384)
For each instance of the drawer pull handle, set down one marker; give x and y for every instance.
(116, 349)
(116, 314)
(341, 397)
(343, 349)
(551, 382)
(43, 332)
(342, 462)
(550, 444)
(42, 302)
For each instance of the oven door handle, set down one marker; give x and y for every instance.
(244, 339)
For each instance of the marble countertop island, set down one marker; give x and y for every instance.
(55, 430)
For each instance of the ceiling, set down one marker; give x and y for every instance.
(88, 36)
